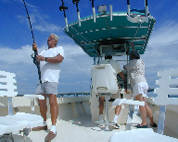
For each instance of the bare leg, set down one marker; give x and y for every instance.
(101, 104)
(53, 108)
(43, 108)
(149, 112)
(118, 110)
(43, 111)
(142, 110)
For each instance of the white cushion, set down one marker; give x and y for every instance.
(19, 121)
(127, 101)
(140, 135)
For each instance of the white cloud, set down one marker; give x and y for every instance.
(76, 61)
(162, 48)
(73, 50)
(162, 53)
(14, 56)
(166, 35)
(23, 54)
(46, 27)
(39, 21)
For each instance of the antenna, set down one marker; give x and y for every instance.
(76, 2)
(94, 11)
(128, 6)
(64, 8)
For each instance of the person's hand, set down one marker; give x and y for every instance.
(34, 47)
(40, 58)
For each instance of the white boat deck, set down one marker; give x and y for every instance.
(75, 125)
(85, 131)
(73, 131)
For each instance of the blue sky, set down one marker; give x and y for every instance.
(15, 41)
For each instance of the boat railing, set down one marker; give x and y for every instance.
(167, 93)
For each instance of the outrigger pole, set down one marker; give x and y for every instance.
(64, 8)
(94, 11)
(35, 61)
(128, 7)
(146, 8)
(78, 12)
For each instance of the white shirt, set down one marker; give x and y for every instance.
(115, 64)
(50, 72)
(136, 70)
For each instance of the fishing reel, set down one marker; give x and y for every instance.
(75, 1)
(62, 7)
(35, 61)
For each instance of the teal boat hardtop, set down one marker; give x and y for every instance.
(115, 36)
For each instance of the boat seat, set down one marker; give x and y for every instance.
(104, 81)
(19, 122)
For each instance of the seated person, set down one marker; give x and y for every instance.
(116, 67)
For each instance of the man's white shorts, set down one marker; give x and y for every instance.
(140, 88)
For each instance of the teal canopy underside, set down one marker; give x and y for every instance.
(112, 36)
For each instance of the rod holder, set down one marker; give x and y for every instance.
(110, 9)
(128, 6)
(67, 25)
(63, 9)
(146, 8)
(94, 14)
(79, 20)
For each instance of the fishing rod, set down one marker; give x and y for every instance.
(94, 11)
(76, 2)
(35, 61)
(64, 8)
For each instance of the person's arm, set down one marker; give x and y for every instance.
(121, 74)
(56, 59)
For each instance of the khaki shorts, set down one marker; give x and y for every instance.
(47, 88)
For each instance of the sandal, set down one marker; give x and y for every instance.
(141, 126)
(154, 125)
